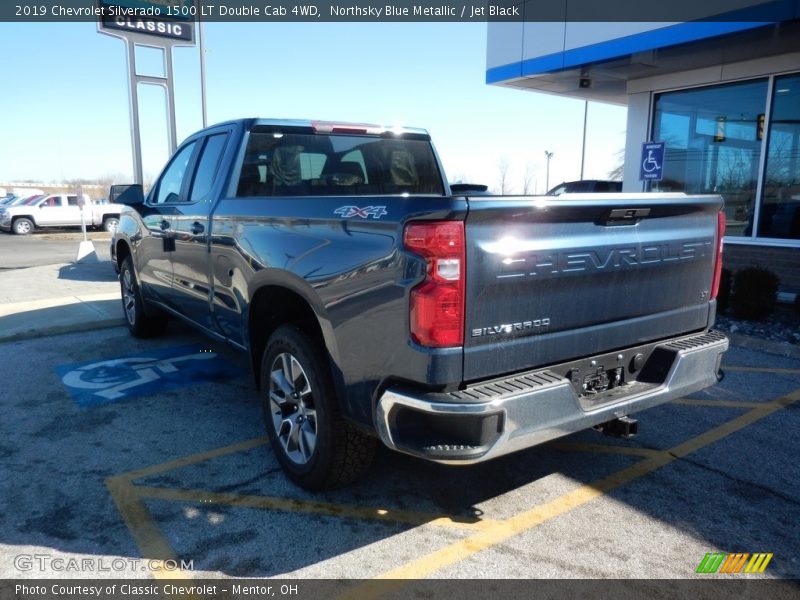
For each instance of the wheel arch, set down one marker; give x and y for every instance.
(18, 217)
(278, 298)
(122, 251)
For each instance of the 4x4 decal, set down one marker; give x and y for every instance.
(346, 212)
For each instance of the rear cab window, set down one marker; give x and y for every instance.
(299, 162)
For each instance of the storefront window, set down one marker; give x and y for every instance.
(713, 145)
(780, 208)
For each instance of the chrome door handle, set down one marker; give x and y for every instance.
(197, 228)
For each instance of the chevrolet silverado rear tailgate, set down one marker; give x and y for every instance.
(553, 279)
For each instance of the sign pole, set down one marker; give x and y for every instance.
(201, 43)
(82, 204)
(86, 251)
(170, 88)
(159, 32)
(133, 99)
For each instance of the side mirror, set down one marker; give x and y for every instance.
(130, 195)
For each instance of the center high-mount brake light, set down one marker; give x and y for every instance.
(347, 128)
(437, 304)
(718, 263)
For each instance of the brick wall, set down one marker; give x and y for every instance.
(784, 262)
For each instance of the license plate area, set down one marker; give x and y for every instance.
(598, 380)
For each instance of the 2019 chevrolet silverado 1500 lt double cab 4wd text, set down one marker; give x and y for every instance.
(376, 304)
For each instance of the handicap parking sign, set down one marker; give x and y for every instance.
(651, 163)
(110, 380)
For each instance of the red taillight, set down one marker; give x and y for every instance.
(437, 304)
(718, 263)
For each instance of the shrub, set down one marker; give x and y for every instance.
(724, 294)
(755, 292)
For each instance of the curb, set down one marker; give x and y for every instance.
(62, 329)
(784, 349)
(17, 307)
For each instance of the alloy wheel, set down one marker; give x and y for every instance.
(291, 402)
(128, 296)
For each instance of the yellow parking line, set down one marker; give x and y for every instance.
(308, 506)
(504, 530)
(718, 403)
(152, 543)
(762, 370)
(603, 449)
(146, 533)
(148, 537)
(763, 410)
(192, 459)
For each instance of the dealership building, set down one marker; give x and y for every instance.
(723, 96)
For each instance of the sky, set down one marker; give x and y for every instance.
(64, 111)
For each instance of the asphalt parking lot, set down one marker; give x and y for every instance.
(161, 455)
(46, 247)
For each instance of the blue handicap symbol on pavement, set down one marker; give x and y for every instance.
(101, 382)
(651, 165)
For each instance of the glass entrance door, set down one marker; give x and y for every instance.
(713, 141)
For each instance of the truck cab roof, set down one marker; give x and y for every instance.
(326, 126)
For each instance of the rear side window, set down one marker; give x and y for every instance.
(207, 167)
(307, 164)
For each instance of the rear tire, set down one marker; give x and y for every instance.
(140, 324)
(110, 224)
(22, 226)
(316, 447)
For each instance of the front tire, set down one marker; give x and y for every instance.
(22, 226)
(140, 324)
(315, 446)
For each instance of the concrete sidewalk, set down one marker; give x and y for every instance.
(59, 298)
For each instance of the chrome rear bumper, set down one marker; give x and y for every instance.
(485, 421)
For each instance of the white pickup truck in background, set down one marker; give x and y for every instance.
(59, 210)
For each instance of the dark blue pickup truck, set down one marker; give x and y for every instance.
(376, 304)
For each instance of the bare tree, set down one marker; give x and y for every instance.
(527, 181)
(458, 177)
(616, 173)
(503, 168)
(149, 178)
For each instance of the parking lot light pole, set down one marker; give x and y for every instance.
(548, 155)
(583, 146)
